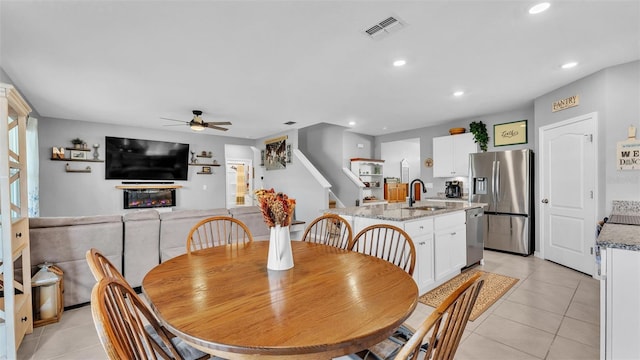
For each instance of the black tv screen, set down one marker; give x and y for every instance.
(136, 159)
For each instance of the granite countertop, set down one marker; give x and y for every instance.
(402, 212)
(618, 236)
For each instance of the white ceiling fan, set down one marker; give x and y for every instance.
(198, 124)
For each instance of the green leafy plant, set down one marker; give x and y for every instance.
(480, 135)
(77, 141)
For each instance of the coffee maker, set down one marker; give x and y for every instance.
(453, 189)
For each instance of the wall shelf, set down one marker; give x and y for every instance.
(148, 186)
(85, 160)
(70, 170)
(203, 164)
(203, 173)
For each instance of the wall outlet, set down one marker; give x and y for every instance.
(428, 185)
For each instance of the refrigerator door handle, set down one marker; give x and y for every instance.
(497, 181)
(494, 200)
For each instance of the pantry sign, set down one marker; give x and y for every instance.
(628, 154)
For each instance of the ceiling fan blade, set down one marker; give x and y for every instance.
(219, 123)
(209, 126)
(176, 125)
(182, 121)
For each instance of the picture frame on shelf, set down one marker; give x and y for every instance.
(511, 133)
(77, 155)
(206, 169)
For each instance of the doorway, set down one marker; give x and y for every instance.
(568, 183)
(239, 183)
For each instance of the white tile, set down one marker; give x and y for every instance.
(527, 315)
(516, 335)
(580, 331)
(57, 343)
(566, 349)
(534, 299)
(476, 347)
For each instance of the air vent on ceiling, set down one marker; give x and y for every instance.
(290, 123)
(385, 27)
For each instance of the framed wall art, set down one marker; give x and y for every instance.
(275, 156)
(511, 133)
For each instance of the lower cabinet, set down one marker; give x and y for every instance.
(450, 249)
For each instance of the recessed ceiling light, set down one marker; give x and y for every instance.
(458, 93)
(569, 65)
(399, 63)
(352, 123)
(538, 8)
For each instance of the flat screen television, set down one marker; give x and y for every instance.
(136, 159)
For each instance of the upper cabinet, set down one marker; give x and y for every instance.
(451, 155)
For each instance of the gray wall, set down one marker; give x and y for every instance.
(73, 194)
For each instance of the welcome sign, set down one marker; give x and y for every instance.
(628, 155)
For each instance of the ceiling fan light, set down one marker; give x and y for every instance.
(197, 127)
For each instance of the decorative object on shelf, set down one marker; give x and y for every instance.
(275, 153)
(77, 154)
(510, 133)
(456, 131)
(428, 162)
(57, 153)
(194, 159)
(480, 135)
(206, 169)
(96, 155)
(77, 143)
(289, 153)
(85, 170)
(277, 212)
(628, 151)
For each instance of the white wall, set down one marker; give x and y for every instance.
(74, 194)
(394, 152)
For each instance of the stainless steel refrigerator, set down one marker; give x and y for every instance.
(504, 181)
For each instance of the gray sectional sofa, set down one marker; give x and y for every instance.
(135, 242)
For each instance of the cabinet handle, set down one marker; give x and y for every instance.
(422, 243)
(453, 233)
(421, 227)
(18, 235)
(24, 319)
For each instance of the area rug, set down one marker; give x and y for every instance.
(495, 285)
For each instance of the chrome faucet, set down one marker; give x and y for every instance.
(411, 199)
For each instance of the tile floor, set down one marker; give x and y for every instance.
(551, 313)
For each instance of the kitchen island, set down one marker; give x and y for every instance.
(437, 229)
(619, 248)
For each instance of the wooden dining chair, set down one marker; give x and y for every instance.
(164, 342)
(438, 337)
(329, 229)
(443, 329)
(217, 231)
(386, 242)
(128, 330)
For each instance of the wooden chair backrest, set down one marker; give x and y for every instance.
(217, 231)
(444, 327)
(329, 229)
(101, 267)
(120, 317)
(386, 242)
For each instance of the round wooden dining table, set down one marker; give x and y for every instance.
(333, 302)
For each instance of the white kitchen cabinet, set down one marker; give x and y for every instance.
(449, 245)
(619, 309)
(451, 155)
(421, 232)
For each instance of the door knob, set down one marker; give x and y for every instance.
(545, 201)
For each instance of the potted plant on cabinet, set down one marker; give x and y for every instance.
(480, 136)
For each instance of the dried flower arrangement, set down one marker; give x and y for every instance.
(277, 208)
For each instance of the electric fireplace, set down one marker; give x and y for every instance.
(149, 198)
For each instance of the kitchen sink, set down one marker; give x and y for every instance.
(426, 208)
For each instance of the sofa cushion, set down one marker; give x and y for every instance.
(141, 244)
(252, 217)
(66, 246)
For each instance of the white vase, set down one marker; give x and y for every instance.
(280, 255)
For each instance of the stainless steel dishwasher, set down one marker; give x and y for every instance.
(476, 222)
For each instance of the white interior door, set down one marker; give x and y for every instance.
(567, 191)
